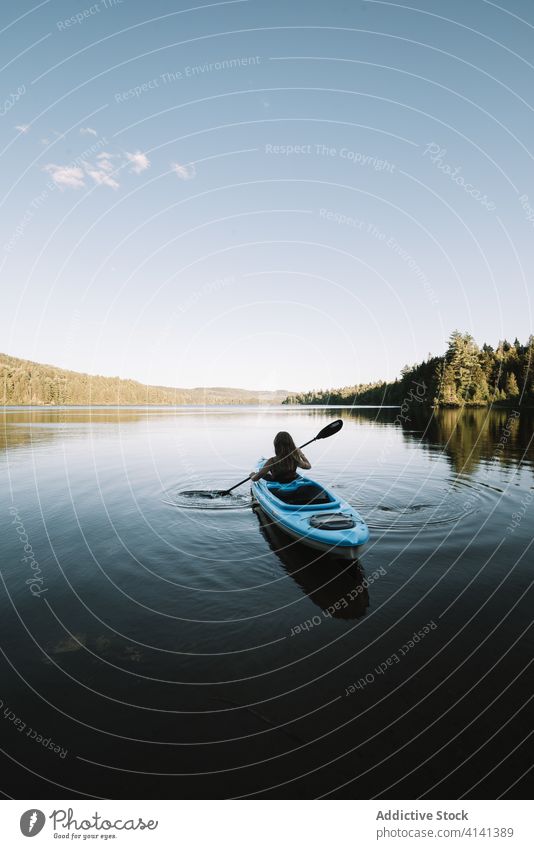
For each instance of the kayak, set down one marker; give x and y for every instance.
(309, 513)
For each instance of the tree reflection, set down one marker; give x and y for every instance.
(468, 437)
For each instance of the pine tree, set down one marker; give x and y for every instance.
(448, 390)
(512, 389)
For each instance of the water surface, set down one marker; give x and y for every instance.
(169, 652)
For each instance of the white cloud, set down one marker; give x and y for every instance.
(184, 172)
(104, 161)
(102, 178)
(106, 165)
(102, 170)
(69, 176)
(88, 131)
(22, 128)
(140, 161)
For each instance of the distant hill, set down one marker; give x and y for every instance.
(25, 382)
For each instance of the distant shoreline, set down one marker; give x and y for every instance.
(238, 406)
(464, 376)
(26, 383)
(466, 405)
(281, 406)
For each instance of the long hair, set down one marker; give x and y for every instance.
(285, 449)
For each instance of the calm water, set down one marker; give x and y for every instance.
(171, 653)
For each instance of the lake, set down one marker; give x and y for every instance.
(151, 651)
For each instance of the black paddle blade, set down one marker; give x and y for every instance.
(330, 429)
(203, 493)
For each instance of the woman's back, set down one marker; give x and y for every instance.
(283, 469)
(283, 466)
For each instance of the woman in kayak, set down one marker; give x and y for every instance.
(282, 468)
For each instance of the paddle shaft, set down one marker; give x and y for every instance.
(226, 491)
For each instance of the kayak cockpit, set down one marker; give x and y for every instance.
(301, 494)
(305, 493)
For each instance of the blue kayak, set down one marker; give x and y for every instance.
(309, 513)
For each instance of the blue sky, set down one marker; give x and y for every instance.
(263, 194)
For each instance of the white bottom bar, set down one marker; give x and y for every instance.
(268, 824)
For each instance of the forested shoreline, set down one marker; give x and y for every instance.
(23, 382)
(464, 375)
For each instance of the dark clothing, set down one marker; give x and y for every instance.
(282, 477)
(282, 471)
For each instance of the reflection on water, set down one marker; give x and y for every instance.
(21, 427)
(159, 630)
(338, 587)
(471, 437)
(467, 437)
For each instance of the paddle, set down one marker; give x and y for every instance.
(327, 431)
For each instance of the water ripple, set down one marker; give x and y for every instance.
(184, 496)
(413, 500)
